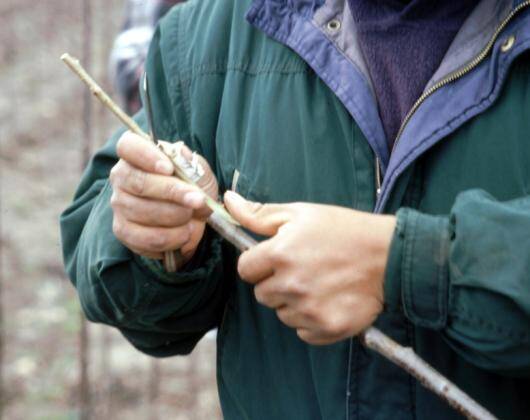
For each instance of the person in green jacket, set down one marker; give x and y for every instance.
(420, 228)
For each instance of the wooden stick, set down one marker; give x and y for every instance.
(100, 94)
(75, 66)
(430, 378)
(372, 338)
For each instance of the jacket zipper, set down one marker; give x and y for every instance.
(449, 79)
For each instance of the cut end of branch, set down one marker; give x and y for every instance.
(67, 58)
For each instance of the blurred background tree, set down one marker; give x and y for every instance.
(43, 144)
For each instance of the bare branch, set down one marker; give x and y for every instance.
(98, 92)
(430, 378)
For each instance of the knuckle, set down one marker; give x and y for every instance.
(288, 286)
(304, 335)
(260, 294)
(279, 288)
(171, 191)
(184, 235)
(334, 326)
(118, 228)
(115, 172)
(137, 180)
(114, 200)
(311, 312)
(279, 254)
(242, 266)
(112, 175)
(121, 145)
(158, 241)
(182, 215)
(295, 287)
(256, 208)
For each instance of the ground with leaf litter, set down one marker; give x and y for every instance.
(40, 146)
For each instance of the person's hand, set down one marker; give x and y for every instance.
(322, 271)
(154, 211)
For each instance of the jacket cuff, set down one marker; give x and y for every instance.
(417, 278)
(203, 263)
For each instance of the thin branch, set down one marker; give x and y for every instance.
(97, 91)
(372, 338)
(429, 377)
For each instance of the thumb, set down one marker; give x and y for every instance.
(263, 219)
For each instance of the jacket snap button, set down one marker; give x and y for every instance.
(334, 25)
(508, 43)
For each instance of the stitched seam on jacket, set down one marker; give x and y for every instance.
(348, 379)
(409, 328)
(356, 186)
(438, 277)
(128, 312)
(357, 364)
(310, 58)
(399, 236)
(194, 74)
(184, 96)
(144, 305)
(473, 320)
(407, 265)
(442, 276)
(341, 51)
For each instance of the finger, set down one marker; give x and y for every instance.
(151, 239)
(314, 338)
(256, 264)
(207, 182)
(291, 317)
(264, 219)
(151, 255)
(268, 294)
(159, 187)
(202, 211)
(148, 212)
(143, 154)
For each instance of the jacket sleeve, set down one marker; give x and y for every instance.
(468, 276)
(159, 313)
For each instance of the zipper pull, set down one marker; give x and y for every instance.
(377, 177)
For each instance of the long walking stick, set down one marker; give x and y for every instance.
(221, 221)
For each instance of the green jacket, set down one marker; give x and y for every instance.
(282, 98)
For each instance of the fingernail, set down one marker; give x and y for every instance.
(191, 227)
(165, 167)
(193, 199)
